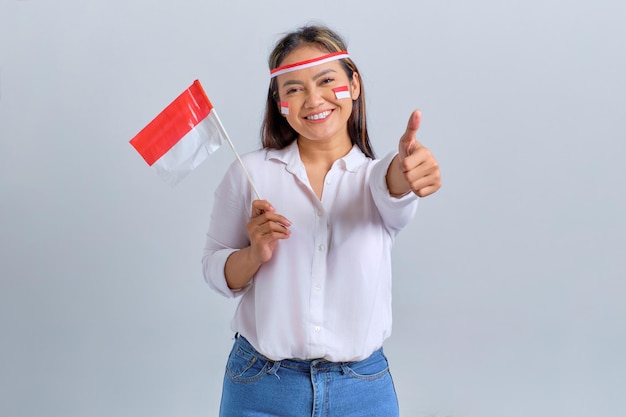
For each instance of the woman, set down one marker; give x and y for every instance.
(313, 267)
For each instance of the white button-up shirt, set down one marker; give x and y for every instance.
(326, 292)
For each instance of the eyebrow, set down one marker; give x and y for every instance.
(315, 77)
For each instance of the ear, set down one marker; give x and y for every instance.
(355, 86)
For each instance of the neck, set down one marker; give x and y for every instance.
(323, 152)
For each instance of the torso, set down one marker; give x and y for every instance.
(319, 160)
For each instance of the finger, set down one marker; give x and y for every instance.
(426, 191)
(423, 184)
(271, 216)
(268, 233)
(420, 156)
(422, 176)
(263, 212)
(417, 181)
(273, 229)
(261, 206)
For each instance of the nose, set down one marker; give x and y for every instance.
(313, 99)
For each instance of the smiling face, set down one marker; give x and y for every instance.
(316, 111)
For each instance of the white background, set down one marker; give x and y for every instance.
(509, 285)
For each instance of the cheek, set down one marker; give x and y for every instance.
(293, 120)
(347, 105)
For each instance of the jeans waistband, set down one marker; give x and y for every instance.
(299, 364)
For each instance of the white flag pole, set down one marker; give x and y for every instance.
(230, 142)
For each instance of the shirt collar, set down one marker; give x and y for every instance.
(290, 156)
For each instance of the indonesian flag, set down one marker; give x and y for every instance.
(284, 108)
(182, 136)
(342, 92)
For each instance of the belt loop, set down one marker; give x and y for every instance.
(274, 369)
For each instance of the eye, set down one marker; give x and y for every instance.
(292, 90)
(326, 80)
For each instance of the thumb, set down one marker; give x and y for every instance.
(408, 141)
(414, 122)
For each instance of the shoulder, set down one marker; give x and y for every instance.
(255, 156)
(251, 160)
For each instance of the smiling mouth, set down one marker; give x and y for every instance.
(319, 116)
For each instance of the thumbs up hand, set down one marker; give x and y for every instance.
(414, 168)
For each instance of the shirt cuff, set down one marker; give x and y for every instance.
(216, 278)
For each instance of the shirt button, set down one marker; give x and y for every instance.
(320, 213)
(327, 182)
(318, 329)
(318, 287)
(321, 248)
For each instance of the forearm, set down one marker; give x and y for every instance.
(240, 268)
(396, 182)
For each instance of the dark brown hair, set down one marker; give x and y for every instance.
(276, 133)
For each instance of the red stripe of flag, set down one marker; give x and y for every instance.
(340, 89)
(172, 124)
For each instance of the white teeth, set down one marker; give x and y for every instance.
(319, 116)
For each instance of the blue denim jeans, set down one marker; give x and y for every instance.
(259, 387)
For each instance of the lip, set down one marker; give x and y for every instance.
(319, 120)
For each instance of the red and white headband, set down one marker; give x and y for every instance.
(308, 63)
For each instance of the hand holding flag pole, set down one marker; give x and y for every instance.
(183, 135)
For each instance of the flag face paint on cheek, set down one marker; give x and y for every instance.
(342, 92)
(284, 108)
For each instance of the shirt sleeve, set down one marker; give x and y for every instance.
(396, 212)
(227, 230)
